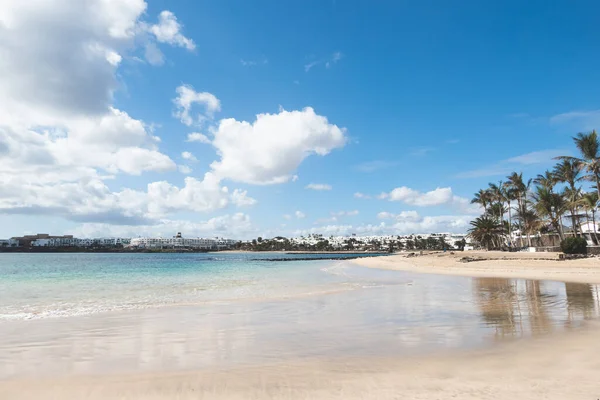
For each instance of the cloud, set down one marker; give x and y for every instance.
(414, 197)
(328, 62)
(89, 200)
(404, 215)
(505, 167)
(299, 214)
(325, 220)
(336, 215)
(240, 198)
(359, 195)
(59, 60)
(61, 137)
(184, 169)
(335, 57)
(187, 97)
(237, 226)
(437, 197)
(198, 137)
(421, 151)
(579, 120)
(153, 55)
(409, 222)
(536, 157)
(168, 30)
(186, 155)
(258, 152)
(253, 63)
(318, 186)
(375, 165)
(310, 65)
(287, 216)
(345, 213)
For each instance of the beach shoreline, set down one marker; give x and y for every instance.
(492, 264)
(559, 365)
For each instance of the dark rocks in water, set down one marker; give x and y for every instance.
(333, 257)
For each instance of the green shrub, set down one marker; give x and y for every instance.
(574, 245)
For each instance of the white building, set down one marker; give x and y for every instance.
(66, 241)
(181, 242)
(9, 243)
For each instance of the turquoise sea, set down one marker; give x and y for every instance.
(80, 314)
(61, 284)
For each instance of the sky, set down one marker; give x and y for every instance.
(242, 119)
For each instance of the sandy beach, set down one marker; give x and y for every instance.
(555, 367)
(560, 365)
(493, 264)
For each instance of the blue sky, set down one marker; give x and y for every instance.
(430, 98)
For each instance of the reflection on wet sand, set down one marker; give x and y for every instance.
(580, 300)
(496, 299)
(516, 308)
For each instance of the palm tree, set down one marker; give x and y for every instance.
(589, 202)
(531, 223)
(482, 197)
(520, 189)
(509, 194)
(567, 171)
(486, 231)
(547, 180)
(589, 148)
(550, 206)
(498, 197)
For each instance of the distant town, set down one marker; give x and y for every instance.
(313, 242)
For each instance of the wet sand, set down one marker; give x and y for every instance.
(562, 366)
(422, 337)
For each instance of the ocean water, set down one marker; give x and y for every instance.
(82, 314)
(61, 284)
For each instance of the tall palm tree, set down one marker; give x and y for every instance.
(547, 180)
(531, 223)
(550, 206)
(589, 148)
(482, 197)
(486, 231)
(497, 194)
(567, 171)
(589, 201)
(516, 183)
(510, 195)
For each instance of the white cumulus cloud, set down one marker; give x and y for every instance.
(270, 149)
(168, 30)
(198, 137)
(187, 97)
(237, 226)
(61, 138)
(240, 198)
(417, 198)
(318, 186)
(359, 195)
(186, 155)
(437, 197)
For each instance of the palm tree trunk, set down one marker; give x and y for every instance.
(519, 201)
(574, 224)
(509, 224)
(594, 223)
